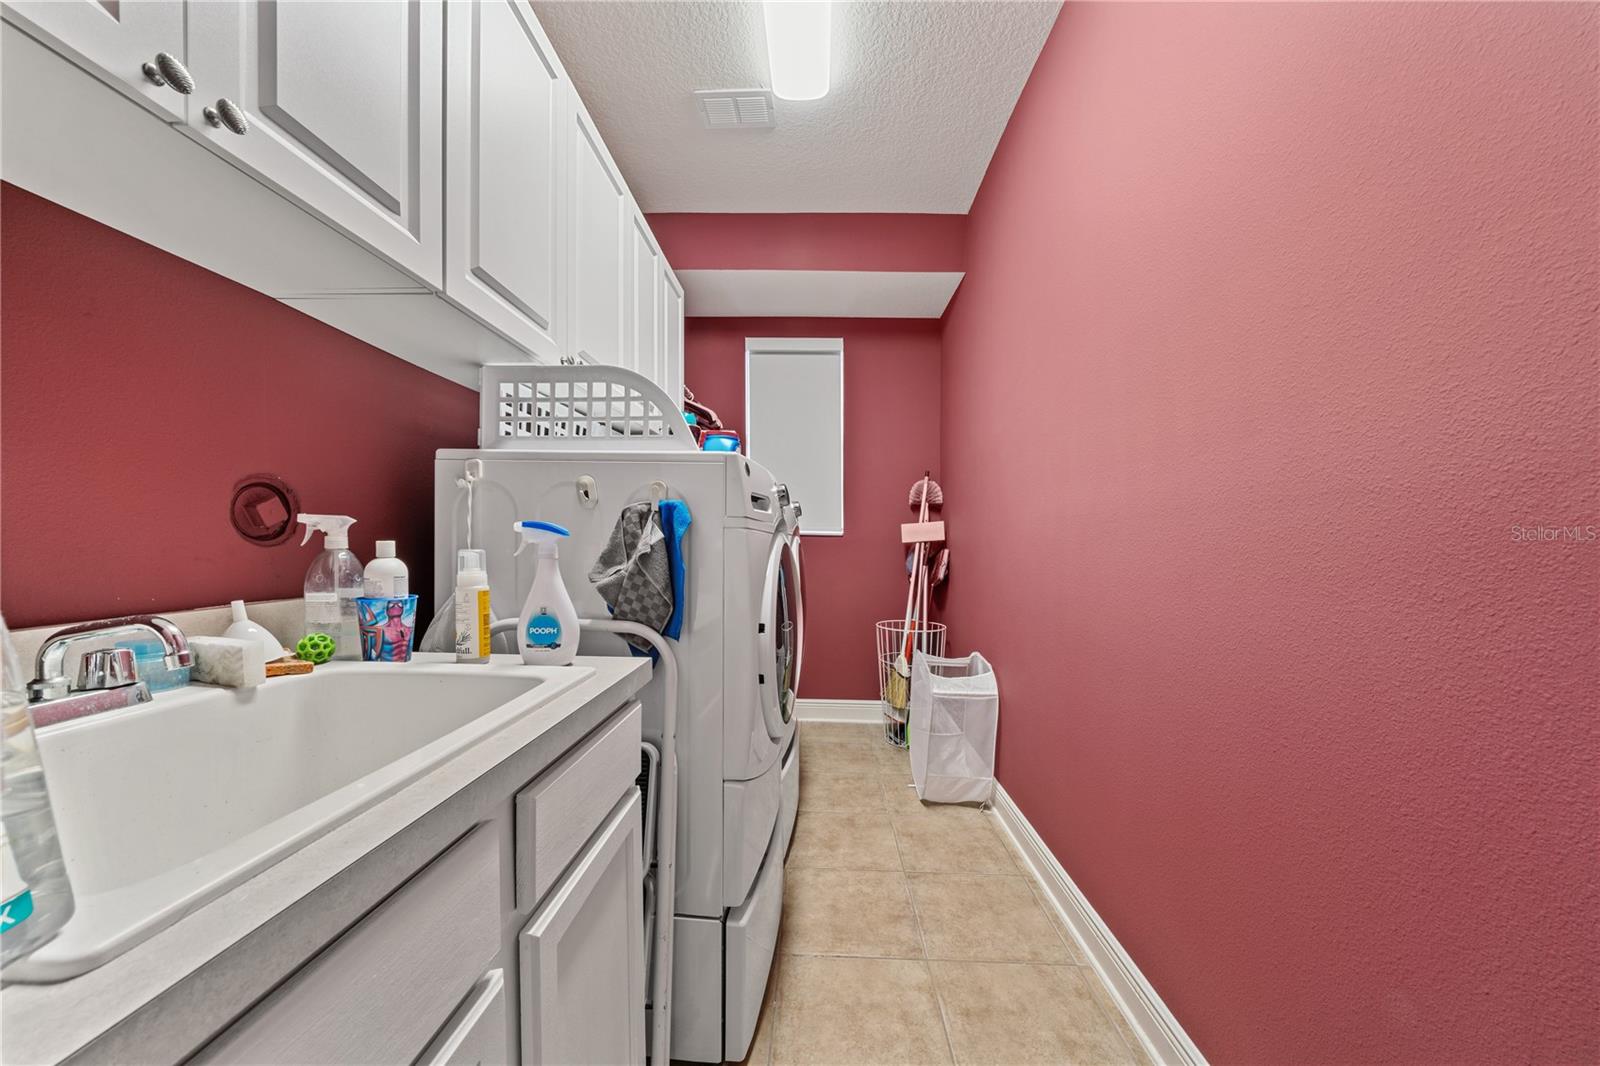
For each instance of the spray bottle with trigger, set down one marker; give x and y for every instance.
(333, 582)
(547, 631)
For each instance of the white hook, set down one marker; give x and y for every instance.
(588, 493)
(658, 491)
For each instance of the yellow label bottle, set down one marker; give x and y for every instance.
(472, 607)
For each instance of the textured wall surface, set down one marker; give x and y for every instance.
(891, 435)
(918, 97)
(1279, 319)
(138, 388)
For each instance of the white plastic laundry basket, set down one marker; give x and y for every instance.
(955, 709)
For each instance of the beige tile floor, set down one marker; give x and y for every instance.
(911, 934)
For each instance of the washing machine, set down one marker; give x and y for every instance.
(790, 602)
(559, 450)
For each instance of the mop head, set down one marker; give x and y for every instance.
(935, 494)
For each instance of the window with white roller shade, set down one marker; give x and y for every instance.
(794, 422)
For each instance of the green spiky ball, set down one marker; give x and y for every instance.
(315, 648)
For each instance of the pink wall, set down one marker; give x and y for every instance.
(891, 436)
(1278, 320)
(139, 388)
(811, 242)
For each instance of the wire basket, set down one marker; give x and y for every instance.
(926, 637)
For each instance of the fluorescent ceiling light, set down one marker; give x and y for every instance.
(799, 35)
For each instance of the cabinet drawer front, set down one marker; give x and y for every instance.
(559, 811)
(582, 956)
(381, 991)
(476, 1035)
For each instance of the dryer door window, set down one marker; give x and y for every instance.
(779, 629)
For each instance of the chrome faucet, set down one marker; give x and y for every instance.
(106, 678)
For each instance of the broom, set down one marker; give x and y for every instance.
(897, 691)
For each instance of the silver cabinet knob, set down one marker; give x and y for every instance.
(225, 114)
(165, 70)
(107, 668)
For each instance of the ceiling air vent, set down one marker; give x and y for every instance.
(736, 109)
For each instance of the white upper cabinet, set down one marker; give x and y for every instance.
(642, 347)
(343, 104)
(506, 167)
(115, 41)
(671, 380)
(598, 243)
(437, 187)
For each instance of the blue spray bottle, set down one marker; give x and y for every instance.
(547, 632)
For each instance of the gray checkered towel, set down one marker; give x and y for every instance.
(633, 574)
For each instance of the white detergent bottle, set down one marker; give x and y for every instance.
(333, 583)
(547, 632)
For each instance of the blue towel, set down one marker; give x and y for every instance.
(675, 519)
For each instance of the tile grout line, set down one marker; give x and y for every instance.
(922, 940)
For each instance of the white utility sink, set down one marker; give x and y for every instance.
(167, 805)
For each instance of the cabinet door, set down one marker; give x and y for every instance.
(598, 244)
(671, 334)
(344, 103)
(506, 175)
(383, 990)
(113, 39)
(582, 956)
(476, 1034)
(643, 343)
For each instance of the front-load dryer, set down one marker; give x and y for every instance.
(737, 652)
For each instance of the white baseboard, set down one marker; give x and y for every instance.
(1163, 1038)
(838, 710)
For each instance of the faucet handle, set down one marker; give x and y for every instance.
(107, 668)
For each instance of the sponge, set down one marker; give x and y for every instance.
(228, 662)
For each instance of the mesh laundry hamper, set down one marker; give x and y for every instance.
(955, 707)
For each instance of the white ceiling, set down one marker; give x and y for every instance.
(921, 92)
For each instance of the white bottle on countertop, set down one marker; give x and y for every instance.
(472, 607)
(547, 631)
(386, 575)
(333, 584)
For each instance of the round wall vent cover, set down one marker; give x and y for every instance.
(263, 509)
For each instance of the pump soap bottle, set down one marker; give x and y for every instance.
(333, 583)
(547, 631)
(472, 606)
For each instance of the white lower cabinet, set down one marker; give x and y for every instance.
(581, 959)
(379, 993)
(476, 1034)
(429, 974)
